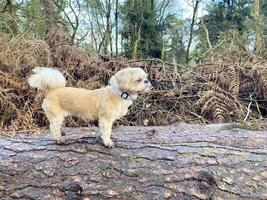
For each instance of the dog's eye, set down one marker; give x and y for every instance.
(139, 80)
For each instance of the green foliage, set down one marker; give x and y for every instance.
(174, 50)
(223, 16)
(27, 17)
(33, 19)
(143, 29)
(141, 33)
(8, 18)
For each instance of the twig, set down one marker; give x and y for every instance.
(198, 116)
(257, 105)
(248, 110)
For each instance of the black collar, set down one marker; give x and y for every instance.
(124, 95)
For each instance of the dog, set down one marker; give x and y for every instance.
(105, 104)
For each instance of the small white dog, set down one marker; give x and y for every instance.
(105, 104)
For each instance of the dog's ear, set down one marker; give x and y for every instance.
(121, 78)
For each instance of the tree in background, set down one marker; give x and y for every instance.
(35, 17)
(258, 26)
(264, 13)
(100, 19)
(191, 29)
(222, 16)
(141, 32)
(8, 17)
(173, 36)
(142, 28)
(71, 18)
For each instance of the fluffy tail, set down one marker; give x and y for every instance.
(45, 78)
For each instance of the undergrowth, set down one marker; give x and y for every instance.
(229, 87)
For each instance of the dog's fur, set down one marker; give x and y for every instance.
(105, 104)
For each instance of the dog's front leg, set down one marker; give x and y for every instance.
(105, 126)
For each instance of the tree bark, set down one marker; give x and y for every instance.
(176, 162)
(259, 42)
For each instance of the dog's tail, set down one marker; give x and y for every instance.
(45, 78)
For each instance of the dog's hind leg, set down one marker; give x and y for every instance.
(55, 127)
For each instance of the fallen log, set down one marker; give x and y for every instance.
(175, 162)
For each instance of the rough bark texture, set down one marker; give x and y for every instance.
(177, 162)
(259, 44)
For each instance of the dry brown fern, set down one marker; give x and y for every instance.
(234, 80)
(37, 53)
(218, 107)
(67, 56)
(224, 75)
(260, 74)
(57, 37)
(213, 91)
(21, 51)
(247, 86)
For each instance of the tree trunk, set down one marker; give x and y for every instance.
(109, 31)
(136, 45)
(195, 8)
(116, 26)
(259, 42)
(176, 162)
(49, 12)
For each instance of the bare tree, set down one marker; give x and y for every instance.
(108, 38)
(195, 9)
(100, 23)
(92, 34)
(162, 8)
(116, 26)
(74, 23)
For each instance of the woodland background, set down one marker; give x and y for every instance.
(206, 59)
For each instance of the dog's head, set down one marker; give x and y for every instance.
(132, 80)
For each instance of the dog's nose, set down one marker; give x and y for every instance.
(147, 82)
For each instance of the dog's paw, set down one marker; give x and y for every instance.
(108, 143)
(60, 141)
